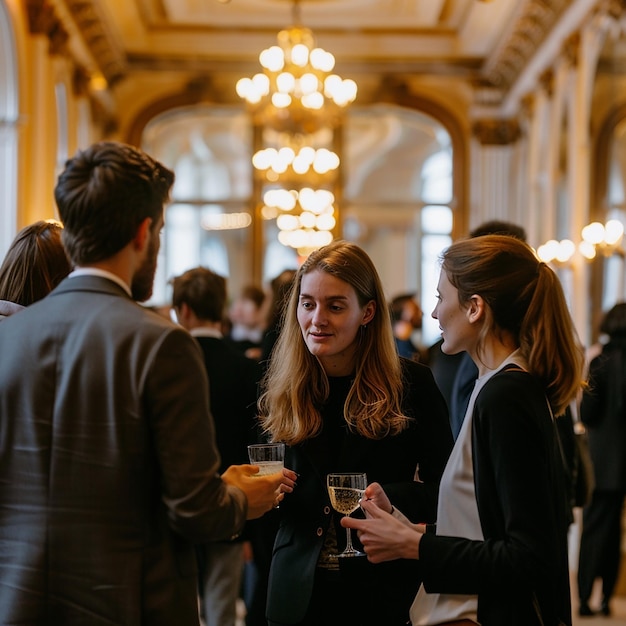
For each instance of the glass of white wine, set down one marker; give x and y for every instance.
(345, 491)
(270, 457)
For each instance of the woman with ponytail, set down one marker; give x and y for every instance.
(498, 553)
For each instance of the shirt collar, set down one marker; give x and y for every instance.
(95, 271)
(205, 331)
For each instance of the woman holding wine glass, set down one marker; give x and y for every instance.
(499, 554)
(343, 401)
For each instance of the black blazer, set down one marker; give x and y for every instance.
(233, 388)
(523, 510)
(307, 513)
(603, 411)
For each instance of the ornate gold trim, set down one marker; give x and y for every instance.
(496, 132)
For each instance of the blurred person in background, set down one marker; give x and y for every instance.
(246, 323)
(35, 263)
(603, 412)
(199, 299)
(406, 318)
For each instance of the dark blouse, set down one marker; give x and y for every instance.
(306, 514)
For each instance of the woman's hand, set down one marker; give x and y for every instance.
(376, 494)
(384, 537)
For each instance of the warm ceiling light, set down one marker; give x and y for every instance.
(297, 101)
(297, 79)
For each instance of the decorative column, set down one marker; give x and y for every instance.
(491, 161)
(49, 38)
(537, 108)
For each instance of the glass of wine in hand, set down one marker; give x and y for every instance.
(345, 491)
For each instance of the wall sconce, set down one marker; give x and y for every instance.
(596, 237)
(559, 252)
(606, 238)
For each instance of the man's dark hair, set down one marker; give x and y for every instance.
(253, 293)
(104, 194)
(614, 321)
(203, 291)
(497, 227)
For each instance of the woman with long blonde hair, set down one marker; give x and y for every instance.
(337, 393)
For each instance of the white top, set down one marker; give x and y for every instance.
(457, 516)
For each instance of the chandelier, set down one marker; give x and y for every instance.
(297, 102)
(297, 91)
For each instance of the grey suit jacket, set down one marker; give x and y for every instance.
(108, 463)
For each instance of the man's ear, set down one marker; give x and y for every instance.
(183, 312)
(475, 309)
(142, 235)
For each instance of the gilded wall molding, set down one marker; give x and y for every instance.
(43, 20)
(103, 47)
(496, 132)
(615, 8)
(532, 26)
(546, 81)
(571, 49)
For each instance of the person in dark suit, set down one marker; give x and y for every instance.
(499, 554)
(444, 368)
(108, 463)
(199, 299)
(342, 399)
(603, 412)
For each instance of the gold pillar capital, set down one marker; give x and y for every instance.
(498, 132)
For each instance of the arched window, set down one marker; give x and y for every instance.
(398, 198)
(208, 222)
(396, 201)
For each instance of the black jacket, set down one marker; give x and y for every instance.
(520, 491)
(307, 513)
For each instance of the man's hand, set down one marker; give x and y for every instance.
(263, 492)
(384, 537)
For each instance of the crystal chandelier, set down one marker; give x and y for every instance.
(297, 91)
(297, 102)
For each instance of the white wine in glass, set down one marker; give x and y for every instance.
(345, 491)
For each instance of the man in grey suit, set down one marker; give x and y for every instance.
(108, 463)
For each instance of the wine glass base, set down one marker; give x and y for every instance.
(347, 555)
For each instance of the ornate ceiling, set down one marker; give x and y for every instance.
(487, 42)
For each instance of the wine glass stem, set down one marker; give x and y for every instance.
(349, 547)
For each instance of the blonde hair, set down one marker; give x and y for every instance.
(295, 385)
(524, 297)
